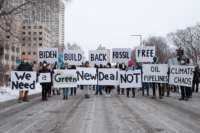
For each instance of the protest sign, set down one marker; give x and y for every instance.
(145, 53)
(121, 55)
(73, 57)
(108, 76)
(155, 73)
(86, 76)
(130, 79)
(45, 77)
(181, 75)
(98, 57)
(23, 80)
(50, 55)
(64, 78)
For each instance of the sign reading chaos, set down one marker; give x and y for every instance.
(50, 55)
(121, 55)
(98, 57)
(145, 53)
(73, 57)
(23, 80)
(155, 73)
(181, 75)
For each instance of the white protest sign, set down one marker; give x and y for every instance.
(130, 79)
(86, 76)
(45, 77)
(64, 78)
(181, 75)
(155, 73)
(50, 55)
(108, 76)
(73, 57)
(145, 53)
(23, 80)
(121, 55)
(98, 57)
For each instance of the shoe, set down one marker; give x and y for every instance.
(19, 101)
(64, 98)
(25, 100)
(180, 99)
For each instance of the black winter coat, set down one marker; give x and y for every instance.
(25, 67)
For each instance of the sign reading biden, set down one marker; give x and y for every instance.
(73, 57)
(50, 55)
(121, 55)
(145, 53)
(98, 57)
(23, 80)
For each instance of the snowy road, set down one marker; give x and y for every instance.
(101, 114)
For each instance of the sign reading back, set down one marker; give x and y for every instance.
(98, 57)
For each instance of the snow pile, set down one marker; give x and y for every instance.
(7, 94)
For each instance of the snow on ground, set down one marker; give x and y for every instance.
(7, 94)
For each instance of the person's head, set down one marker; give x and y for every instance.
(108, 65)
(86, 64)
(24, 59)
(44, 64)
(130, 63)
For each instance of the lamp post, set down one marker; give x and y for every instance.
(137, 35)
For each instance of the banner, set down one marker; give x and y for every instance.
(155, 73)
(23, 80)
(181, 75)
(130, 79)
(121, 55)
(73, 57)
(50, 55)
(45, 78)
(145, 53)
(64, 78)
(86, 76)
(108, 76)
(98, 57)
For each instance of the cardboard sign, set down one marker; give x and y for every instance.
(145, 53)
(108, 76)
(64, 78)
(73, 57)
(155, 73)
(121, 55)
(50, 55)
(45, 78)
(181, 75)
(98, 57)
(130, 79)
(23, 80)
(87, 76)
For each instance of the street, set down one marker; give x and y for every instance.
(101, 114)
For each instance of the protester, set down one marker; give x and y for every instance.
(118, 87)
(54, 89)
(108, 88)
(24, 66)
(99, 87)
(45, 86)
(73, 89)
(86, 87)
(66, 89)
(196, 80)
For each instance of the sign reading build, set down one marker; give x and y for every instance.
(155, 73)
(50, 55)
(64, 78)
(145, 53)
(23, 80)
(98, 57)
(73, 57)
(121, 55)
(181, 75)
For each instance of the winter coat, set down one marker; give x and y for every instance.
(196, 76)
(45, 71)
(25, 67)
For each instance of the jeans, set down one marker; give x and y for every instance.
(145, 86)
(73, 91)
(65, 92)
(99, 90)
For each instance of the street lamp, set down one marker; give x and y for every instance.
(140, 38)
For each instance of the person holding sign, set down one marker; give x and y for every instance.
(108, 88)
(65, 90)
(45, 84)
(86, 87)
(73, 89)
(24, 66)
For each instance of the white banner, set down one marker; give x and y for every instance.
(181, 75)
(155, 73)
(86, 76)
(121, 55)
(73, 57)
(145, 53)
(23, 80)
(130, 79)
(98, 57)
(108, 76)
(64, 78)
(50, 55)
(45, 77)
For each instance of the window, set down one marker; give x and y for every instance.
(13, 58)
(40, 27)
(29, 45)
(35, 33)
(29, 33)
(40, 44)
(23, 33)
(34, 53)
(29, 53)
(7, 47)
(35, 27)
(40, 38)
(29, 27)
(7, 57)
(40, 33)
(24, 27)
(34, 62)
(8, 37)
(34, 38)
(17, 50)
(13, 49)
(23, 44)
(23, 53)
(29, 38)
(24, 39)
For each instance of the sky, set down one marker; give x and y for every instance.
(110, 23)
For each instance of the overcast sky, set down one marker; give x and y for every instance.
(111, 22)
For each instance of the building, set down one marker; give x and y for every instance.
(100, 47)
(34, 35)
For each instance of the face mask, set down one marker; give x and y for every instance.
(182, 62)
(44, 65)
(25, 61)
